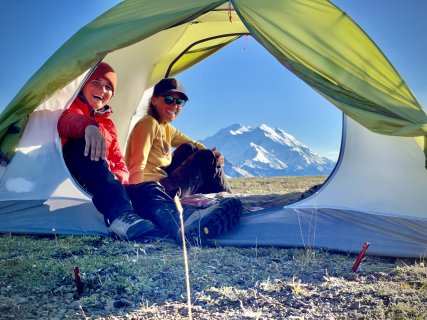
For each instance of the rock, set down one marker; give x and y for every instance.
(20, 300)
(355, 305)
(109, 305)
(69, 296)
(123, 303)
(75, 305)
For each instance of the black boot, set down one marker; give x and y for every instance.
(212, 221)
(166, 217)
(152, 203)
(130, 226)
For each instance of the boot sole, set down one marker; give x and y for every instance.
(222, 219)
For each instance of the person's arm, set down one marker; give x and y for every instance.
(74, 123)
(116, 160)
(178, 138)
(141, 142)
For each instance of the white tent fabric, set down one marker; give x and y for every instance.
(376, 193)
(386, 173)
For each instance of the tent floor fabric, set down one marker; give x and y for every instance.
(251, 202)
(268, 220)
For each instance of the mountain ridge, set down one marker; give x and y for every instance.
(266, 152)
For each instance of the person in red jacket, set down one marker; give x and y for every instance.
(93, 156)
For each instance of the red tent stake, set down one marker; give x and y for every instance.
(360, 256)
(78, 281)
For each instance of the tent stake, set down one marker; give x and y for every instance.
(360, 256)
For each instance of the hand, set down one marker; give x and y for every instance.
(95, 143)
(219, 158)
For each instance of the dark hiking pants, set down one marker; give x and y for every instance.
(194, 171)
(109, 196)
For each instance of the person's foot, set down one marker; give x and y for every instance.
(129, 226)
(212, 221)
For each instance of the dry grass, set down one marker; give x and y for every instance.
(146, 280)
(277, 185)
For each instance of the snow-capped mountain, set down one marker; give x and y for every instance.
(266, 152)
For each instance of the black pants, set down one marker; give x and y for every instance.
(194, 171)
(109, 196)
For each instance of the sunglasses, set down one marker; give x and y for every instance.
(169, 100)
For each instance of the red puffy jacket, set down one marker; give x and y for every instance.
(72, 124)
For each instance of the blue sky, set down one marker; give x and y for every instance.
(242, 83)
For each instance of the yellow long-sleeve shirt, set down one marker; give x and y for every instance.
(149, 149)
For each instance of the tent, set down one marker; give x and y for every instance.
(375, 194)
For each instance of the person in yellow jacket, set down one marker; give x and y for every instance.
(191, 168)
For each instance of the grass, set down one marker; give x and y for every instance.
(128, 280)
(278, 185)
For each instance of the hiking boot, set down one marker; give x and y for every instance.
(212, 221)
(129, 226)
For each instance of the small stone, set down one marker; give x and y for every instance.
(122, 303)
(75, 305)
(109, 304)
(21, 300)
(126, 302)
(69, 296)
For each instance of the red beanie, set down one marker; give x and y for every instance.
(105, 71)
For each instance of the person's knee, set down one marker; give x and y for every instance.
(184, 151)
(148, 190)
(205, 158)
(74, 144)
(152, 187)
(73, 148)
(88, 173)
(188, 147)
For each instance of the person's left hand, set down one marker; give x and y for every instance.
(219, 158)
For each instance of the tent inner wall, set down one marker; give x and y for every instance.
(38, 170)
(134, 67)
(377, 173)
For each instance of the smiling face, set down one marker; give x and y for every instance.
(166, 112)
(98, 92)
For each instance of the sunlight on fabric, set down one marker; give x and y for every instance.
(69, 190)
(19, 185)
(27, 150)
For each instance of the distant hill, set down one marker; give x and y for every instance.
(266, 152)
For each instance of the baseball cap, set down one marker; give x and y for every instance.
(168, 85)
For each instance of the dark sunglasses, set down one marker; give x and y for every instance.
(169, 100)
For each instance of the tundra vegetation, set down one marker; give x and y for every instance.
(129, 280)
